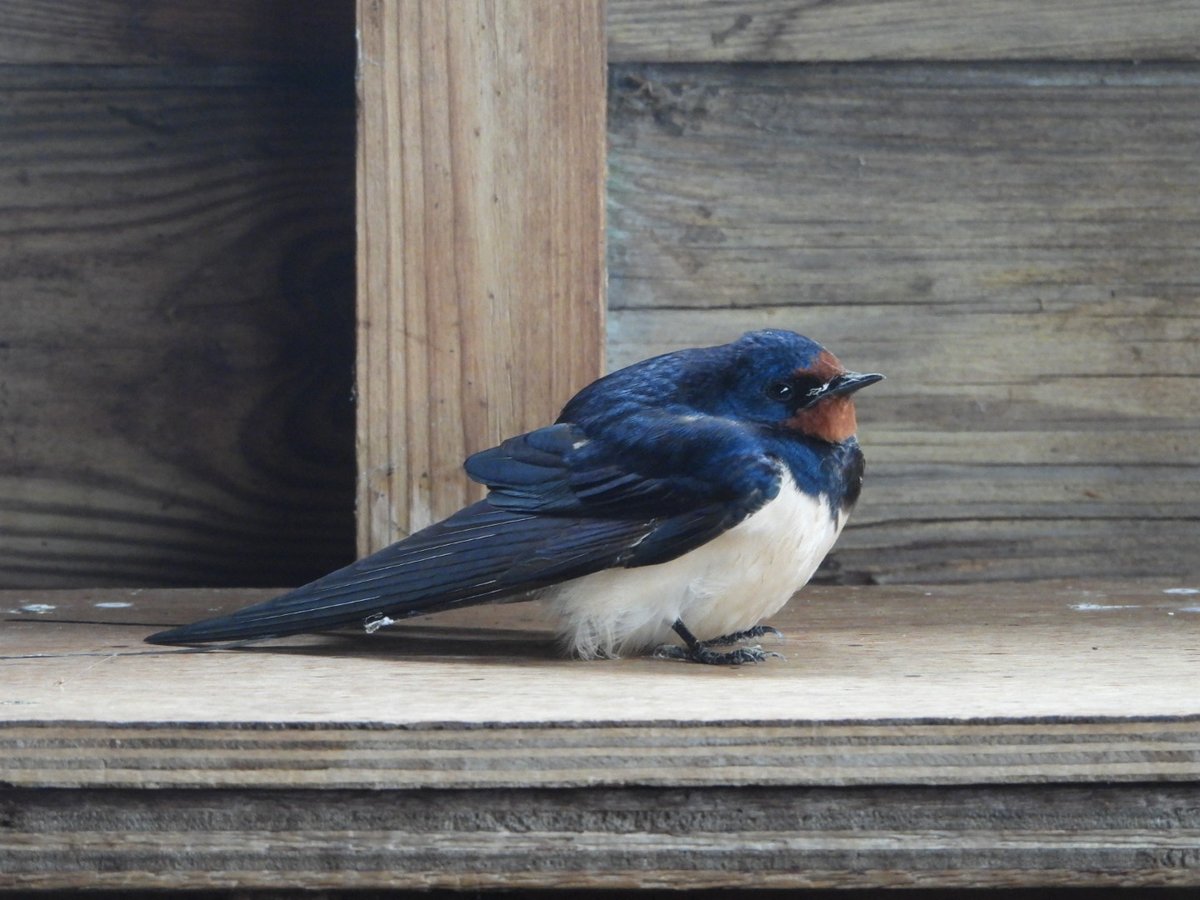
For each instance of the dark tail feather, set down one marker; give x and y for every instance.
(452, 563)
(301, 611)
(479, 555)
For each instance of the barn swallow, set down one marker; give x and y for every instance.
(674, 504)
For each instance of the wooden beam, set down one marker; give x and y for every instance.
(481, 176)
(771, 31)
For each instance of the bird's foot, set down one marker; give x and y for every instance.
(702, 653)
(699, 651)
(756, 632)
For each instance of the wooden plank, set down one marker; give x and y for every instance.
(481, 162)
(1000, 684)
(130, 32)
(771, 31)
(175, 368)
(1014, 247)
(973, 836)
(126, 32)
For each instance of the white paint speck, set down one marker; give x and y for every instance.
(38, 609)
(1092, 607)
(1184, 591)
(373, 625)
(113, 604)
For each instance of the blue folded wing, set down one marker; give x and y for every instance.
(680, 465)
(690, 480)
(480, 554)
(561, 505)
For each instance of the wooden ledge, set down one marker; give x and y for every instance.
(999, 683)
(998, 735)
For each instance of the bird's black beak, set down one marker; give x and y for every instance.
(850, 382)
(846, 383)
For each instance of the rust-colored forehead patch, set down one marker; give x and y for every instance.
(826, 367)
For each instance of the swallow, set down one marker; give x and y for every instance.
(673, 506)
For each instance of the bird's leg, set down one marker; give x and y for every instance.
(702, 652)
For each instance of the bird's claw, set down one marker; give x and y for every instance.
(704, 653)
(756, 632)
(694, 650)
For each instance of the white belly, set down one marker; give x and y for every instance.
(728, 585)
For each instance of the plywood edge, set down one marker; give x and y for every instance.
(777, 837)
(566, 754)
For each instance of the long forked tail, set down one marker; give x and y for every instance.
(481, 554)
(457, 562)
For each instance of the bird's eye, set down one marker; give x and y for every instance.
(780, 390)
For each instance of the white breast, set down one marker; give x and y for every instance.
(728, 585)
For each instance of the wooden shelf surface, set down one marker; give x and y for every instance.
(995, 735)
(998, 683)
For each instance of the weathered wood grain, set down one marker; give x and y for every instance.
(970, 836)
(128, 32)
(819, 31)
(131, 32)
(1015, 248)
(176, 327)
(481, 303)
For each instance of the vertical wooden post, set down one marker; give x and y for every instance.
(480, 245)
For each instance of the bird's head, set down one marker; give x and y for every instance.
(784, 380)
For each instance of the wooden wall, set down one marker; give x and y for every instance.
(995, 206)
(995, 202)
(176, 292)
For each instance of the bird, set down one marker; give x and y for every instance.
(672, 506)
